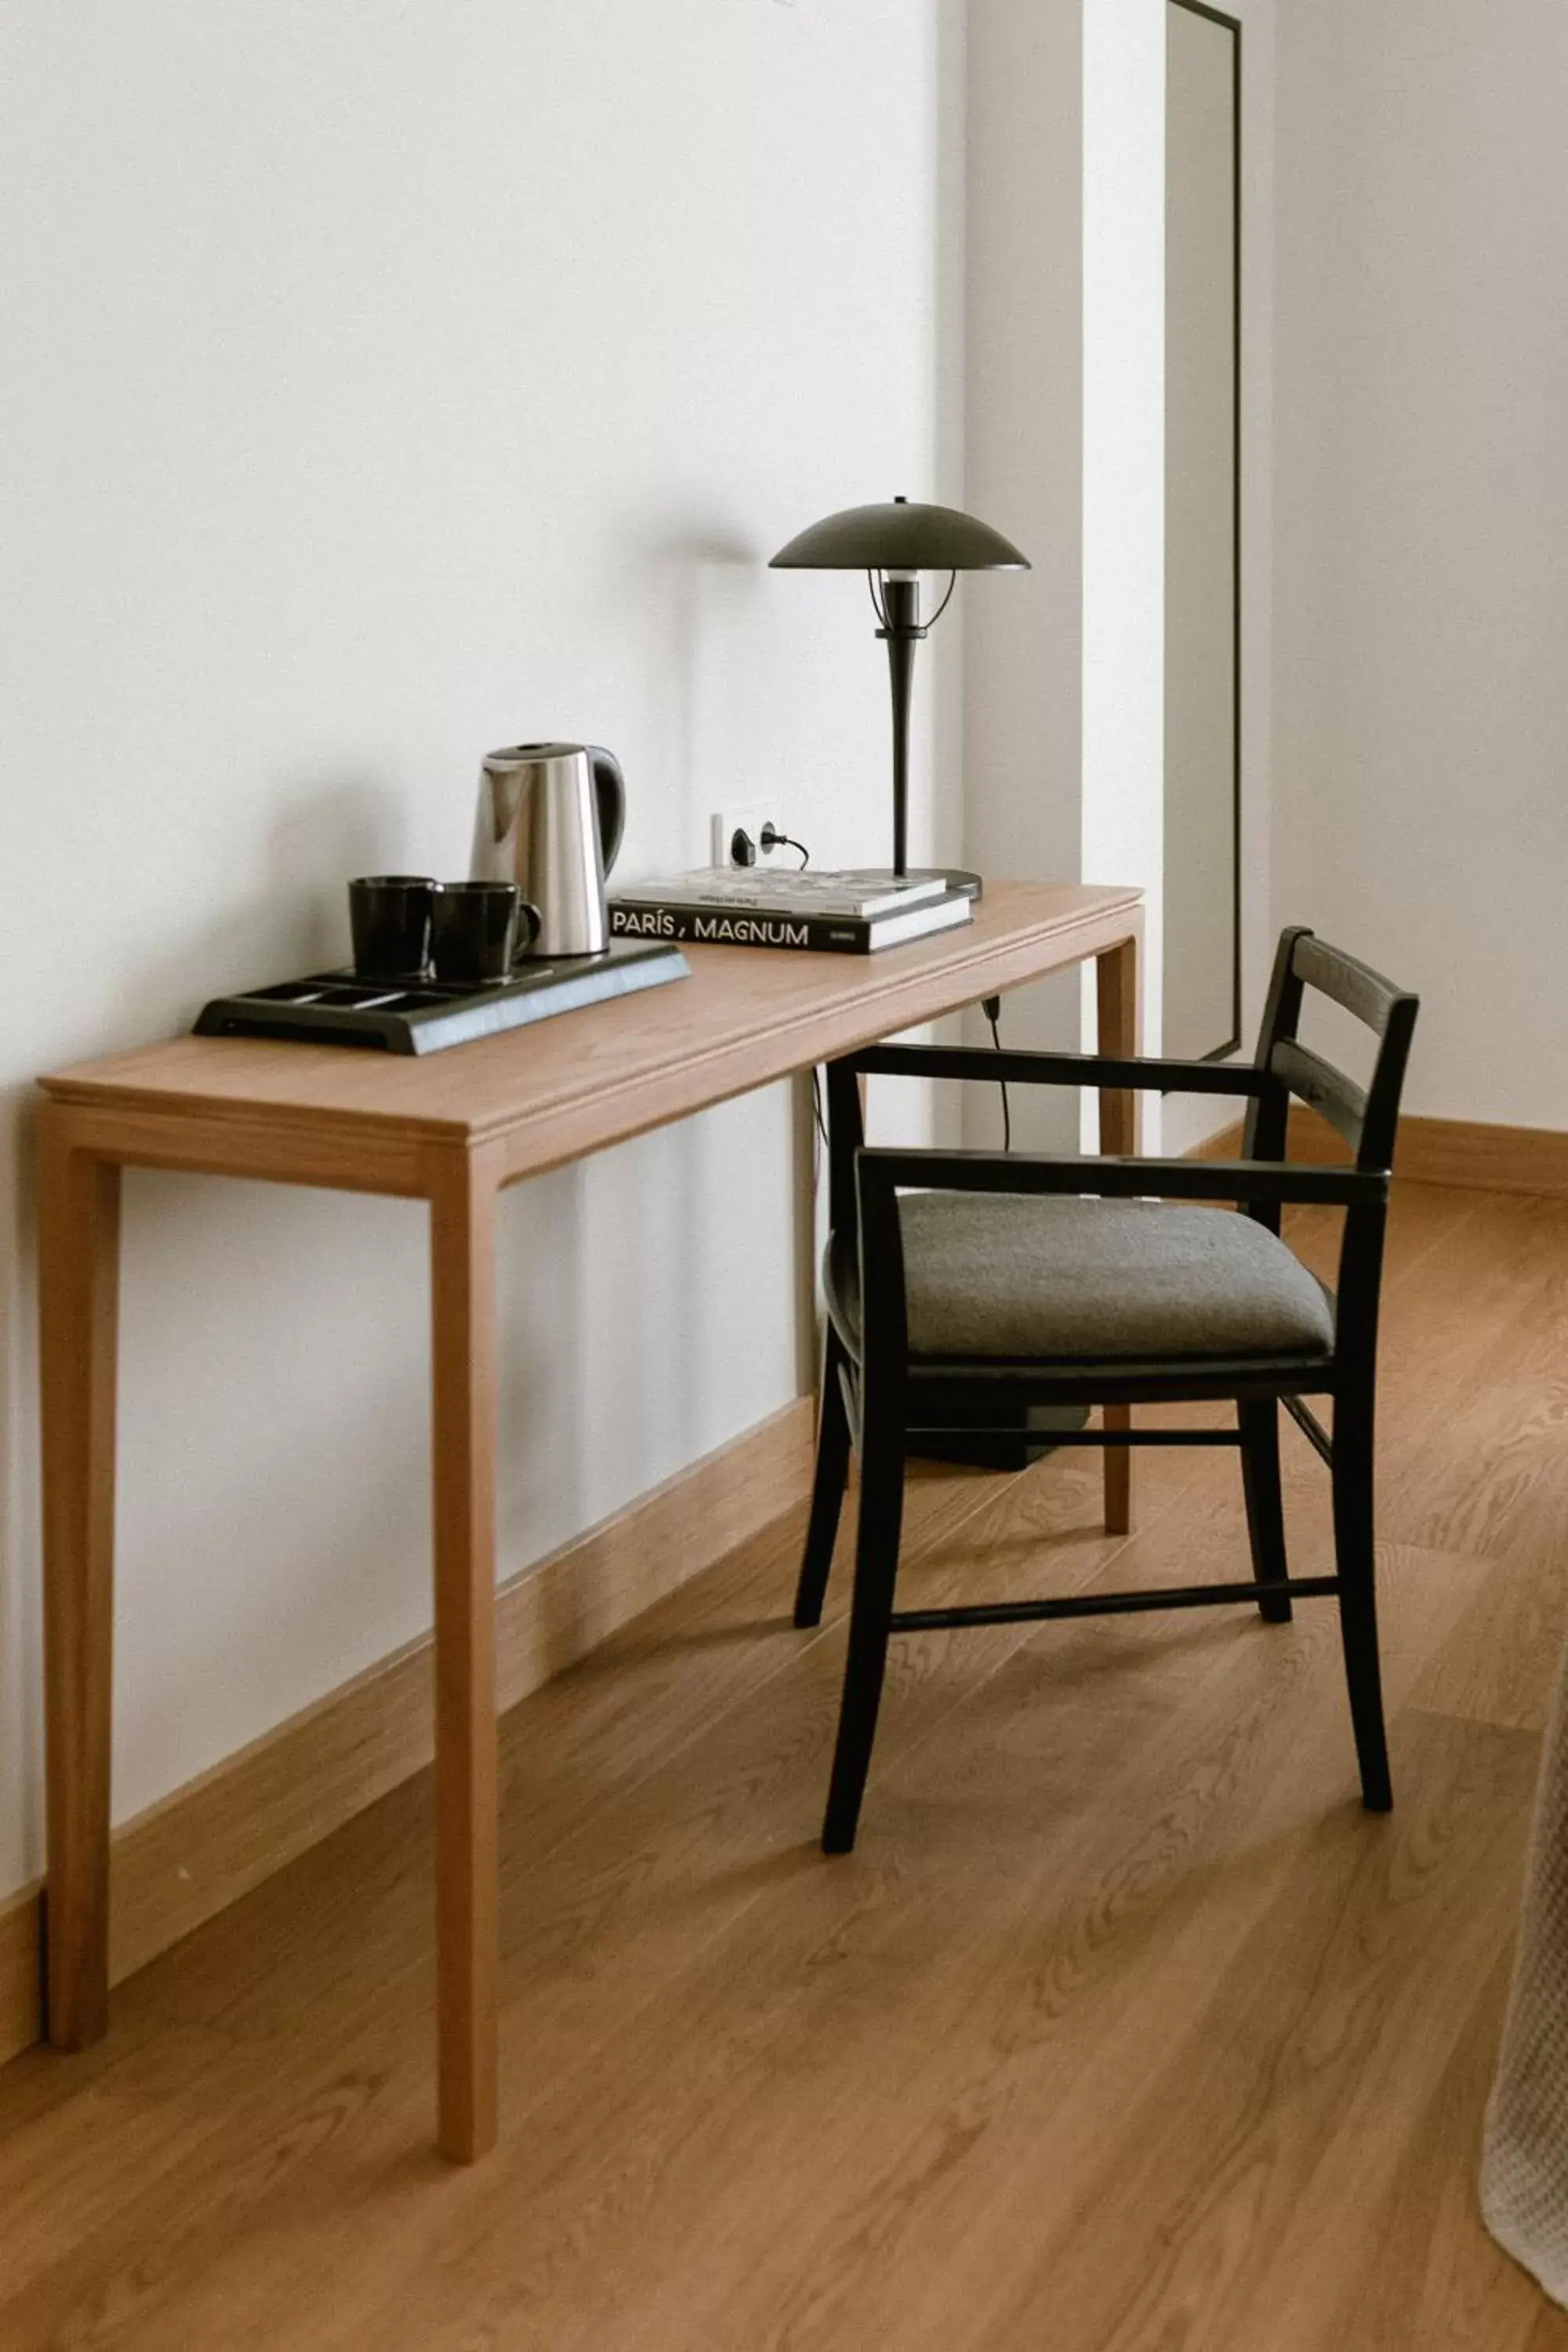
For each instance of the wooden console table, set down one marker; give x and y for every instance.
(453, 1130)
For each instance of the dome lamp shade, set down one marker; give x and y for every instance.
(901, 536)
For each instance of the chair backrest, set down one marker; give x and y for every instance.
(1366, 1117)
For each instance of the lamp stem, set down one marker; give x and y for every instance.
(901, 604)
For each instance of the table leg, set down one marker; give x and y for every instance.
(1116, 976)
(79, 1269)
(463, 1401)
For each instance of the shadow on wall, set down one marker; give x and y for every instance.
(295, 921)
(295, 917)
(571, 1447)
(693, 583)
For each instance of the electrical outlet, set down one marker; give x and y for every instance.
(749, 818)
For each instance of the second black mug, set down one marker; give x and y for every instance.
(478, 930)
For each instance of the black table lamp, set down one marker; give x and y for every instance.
(893, 544)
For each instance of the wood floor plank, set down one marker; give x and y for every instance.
(1502, 1661)
(1123, 2029)
(658, 2122)
(1139, 1855)
(607, 1928)
(1431, 2279)
(1208, 2221)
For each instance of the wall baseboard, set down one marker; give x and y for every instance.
(1458, 1151)
(208, 1843)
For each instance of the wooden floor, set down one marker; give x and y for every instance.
(1125, 2028)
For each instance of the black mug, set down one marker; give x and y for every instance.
(478, 930)
(391, 917)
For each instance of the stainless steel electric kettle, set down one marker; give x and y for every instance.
(550, 819)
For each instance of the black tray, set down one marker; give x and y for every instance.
(334, 1008)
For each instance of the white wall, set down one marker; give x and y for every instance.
(380, 383)
(1422, 710)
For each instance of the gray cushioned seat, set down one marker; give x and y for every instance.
(997, 1275)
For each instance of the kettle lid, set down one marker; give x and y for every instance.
(514, 754)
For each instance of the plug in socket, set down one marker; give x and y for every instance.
(747, 817)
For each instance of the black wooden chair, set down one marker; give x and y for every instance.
(958, 1279)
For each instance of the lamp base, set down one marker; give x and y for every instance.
(952, 877)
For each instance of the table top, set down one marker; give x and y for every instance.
(583, 1079)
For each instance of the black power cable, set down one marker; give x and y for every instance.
(991, 1008)
(772, 839)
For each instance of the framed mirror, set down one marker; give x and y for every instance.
(1202, 960)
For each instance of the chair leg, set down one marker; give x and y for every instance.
(1259, 1421)
(1353, 1491)
(875, 1571)
(827, 1486)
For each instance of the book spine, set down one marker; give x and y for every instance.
(741, 927)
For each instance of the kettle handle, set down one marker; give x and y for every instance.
(610, 794)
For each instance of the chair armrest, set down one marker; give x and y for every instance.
(884, 1170)
(1061, 1069)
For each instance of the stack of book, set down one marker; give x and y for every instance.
(847, 912)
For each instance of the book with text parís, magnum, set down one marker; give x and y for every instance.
(748, 927)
